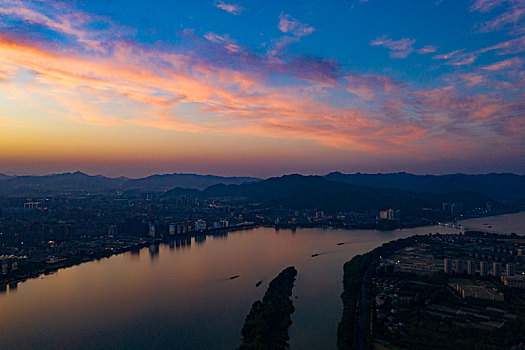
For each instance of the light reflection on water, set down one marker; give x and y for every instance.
(180, 295)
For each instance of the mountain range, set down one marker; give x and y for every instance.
(356, 190)
(497, 186)
(80, 182)
(301, 192)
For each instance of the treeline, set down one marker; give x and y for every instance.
(266, 326)
(353, 273)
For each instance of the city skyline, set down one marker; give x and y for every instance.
(249, 89)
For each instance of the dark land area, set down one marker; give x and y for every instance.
(266, 326)
(463, 291)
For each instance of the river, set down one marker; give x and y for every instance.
(504, 224)
(180, 295)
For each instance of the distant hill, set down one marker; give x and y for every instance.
(80, 182)
(58, 183)
(297, 191)
(497, 186)
(161, 183)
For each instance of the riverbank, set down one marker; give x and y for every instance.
(42, 268)
(35, 270)
(351, 331)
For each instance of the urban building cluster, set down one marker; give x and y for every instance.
(389, 214)
(477, 292)
(43, 233)
(444, 285)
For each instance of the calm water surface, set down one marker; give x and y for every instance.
(179, 296)
(499, 224)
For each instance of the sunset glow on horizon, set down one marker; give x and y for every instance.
(242, 87)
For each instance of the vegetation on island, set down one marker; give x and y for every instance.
(266, 325)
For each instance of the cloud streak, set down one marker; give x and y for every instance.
(233, 9)
(398, 48)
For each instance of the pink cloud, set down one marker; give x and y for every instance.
(66, 21)
(447, 56)
(514, 62)
(369, 86)
(427, 49)
(230, 8)
(457, 58)
(512, 46)
(472, 79)
(229, 43)
(290, 25)
(485, 5)
(513, 16)
(398, 48)
(513, 13)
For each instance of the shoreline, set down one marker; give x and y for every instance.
(78, 260)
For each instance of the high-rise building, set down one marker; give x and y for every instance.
(112, 230)
(200, 225)
(496, 269)
(172, 229)
(452, 209)
(483, 268)
(471, 267)
(456, 208)
(459, 266)
(152, 229)
(511, 270)
(447, 264)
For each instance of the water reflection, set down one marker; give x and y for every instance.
(200, 239)
(13, 287)
(220, 235)
(153, 252)
(135, 254)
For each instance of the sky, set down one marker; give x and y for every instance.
(244, 87)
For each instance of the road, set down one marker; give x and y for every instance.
(363, 308)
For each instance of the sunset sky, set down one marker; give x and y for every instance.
(262, 88)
